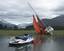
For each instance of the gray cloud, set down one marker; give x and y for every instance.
(19, 11)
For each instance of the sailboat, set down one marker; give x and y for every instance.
(38, 25)
(40, 28)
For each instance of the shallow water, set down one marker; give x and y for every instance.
(49, 44)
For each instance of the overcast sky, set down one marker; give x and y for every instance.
(19, 12)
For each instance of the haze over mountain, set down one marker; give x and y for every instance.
(24, 25)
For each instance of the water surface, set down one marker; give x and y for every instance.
(49, 44)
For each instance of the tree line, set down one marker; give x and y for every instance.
(6, 27)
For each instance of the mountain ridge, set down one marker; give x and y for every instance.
(58, 21)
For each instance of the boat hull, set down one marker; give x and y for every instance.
(19, 44)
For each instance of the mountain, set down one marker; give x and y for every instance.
(58, 21)
(4, 24)
(55, 22)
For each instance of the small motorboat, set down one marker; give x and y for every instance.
(21, 40)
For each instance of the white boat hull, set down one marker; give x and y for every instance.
(20, 42)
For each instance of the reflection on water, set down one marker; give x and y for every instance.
(24, 48)
(48, 44)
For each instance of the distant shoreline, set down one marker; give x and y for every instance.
(20, 32)
(5, 32)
